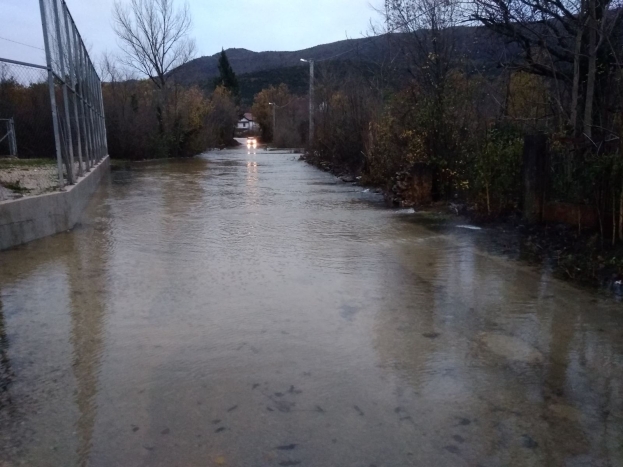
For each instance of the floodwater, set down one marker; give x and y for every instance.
(249, 310)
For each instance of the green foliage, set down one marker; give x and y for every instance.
(296, 78)
(227, 77)
(191, 121)
(262, 110)
(496, 173)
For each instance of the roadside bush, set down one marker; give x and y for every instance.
(496, 171)
(189, 121)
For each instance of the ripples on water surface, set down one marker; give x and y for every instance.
(245, 309)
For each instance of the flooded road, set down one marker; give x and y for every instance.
(248, 310)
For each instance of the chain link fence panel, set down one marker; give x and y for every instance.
(27, 146)
(52, 116)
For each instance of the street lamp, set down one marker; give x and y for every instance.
(311, 99)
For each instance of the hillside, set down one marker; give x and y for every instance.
(246, 61)
(478, 48)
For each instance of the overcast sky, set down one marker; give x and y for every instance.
(251, 24)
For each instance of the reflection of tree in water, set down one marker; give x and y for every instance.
(409, 311)
(6, 374)
(444, 299)
(182, 190)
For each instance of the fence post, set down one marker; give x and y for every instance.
(61, 52)
(104, 135)
(96, 125)
(12, 138)
(92, 117)
(71, 51)
(88, 146)
(55, 123)
(535, 177)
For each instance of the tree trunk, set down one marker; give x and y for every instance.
(575, 91)
(592, 68)
(614, 214)
(507, 98)
(621, 216)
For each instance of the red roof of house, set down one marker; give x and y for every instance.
(248, 116)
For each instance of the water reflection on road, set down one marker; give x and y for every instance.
(245, 309)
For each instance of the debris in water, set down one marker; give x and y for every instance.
(453, 449)
(431, 335)
(468, 227)
(287, 447)
(219, 430)
(359, 411)
(231, 409)
(166, 431)
(529, 443)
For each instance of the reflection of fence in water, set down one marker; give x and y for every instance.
(57, 109)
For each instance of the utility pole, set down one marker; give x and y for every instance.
(274, 106)
(311, 99)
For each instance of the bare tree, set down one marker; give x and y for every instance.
(561, 39)
(154, 38)
(427, 35)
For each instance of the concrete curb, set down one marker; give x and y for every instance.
(27, 219)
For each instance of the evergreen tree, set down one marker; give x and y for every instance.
(227, 76)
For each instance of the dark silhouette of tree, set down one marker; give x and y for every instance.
(227, 77)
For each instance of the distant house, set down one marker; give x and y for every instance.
(246, 123)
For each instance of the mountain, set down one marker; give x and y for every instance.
(246, 61)
(477, 46)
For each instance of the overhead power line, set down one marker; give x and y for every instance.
(21, 43)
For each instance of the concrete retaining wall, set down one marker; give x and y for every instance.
(27, 219)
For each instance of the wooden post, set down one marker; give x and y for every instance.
(535, 177)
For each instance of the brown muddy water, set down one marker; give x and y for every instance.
(248, 310)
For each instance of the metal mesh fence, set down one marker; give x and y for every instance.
(26, 132)
(25, 102)
(77, 96)
(51, 112)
